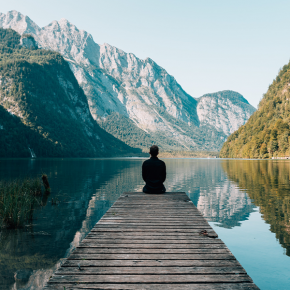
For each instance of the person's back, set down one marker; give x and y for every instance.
(154, 173)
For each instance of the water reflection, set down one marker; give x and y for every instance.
(267, 184)
(219, 199)
(85, 189)
(222, 190)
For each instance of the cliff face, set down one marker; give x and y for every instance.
(266, 134)
(226, 111)
(44, 110)
(136, 100)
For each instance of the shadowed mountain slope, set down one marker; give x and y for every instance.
(137, 100)
(44, 112)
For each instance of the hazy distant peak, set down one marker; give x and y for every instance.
(117, 82)
(226, 110)
(226, 94)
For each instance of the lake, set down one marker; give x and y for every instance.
(247, 202)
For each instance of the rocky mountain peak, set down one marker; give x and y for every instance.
(19, 22)
(121, 88)
(225, 110)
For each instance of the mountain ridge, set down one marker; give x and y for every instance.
(44, 112)
(116, 82)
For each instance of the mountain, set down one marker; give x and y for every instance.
(266, 134)
(136, 100)
(43, 110)
(226, 111)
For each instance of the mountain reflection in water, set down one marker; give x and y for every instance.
(267, 184)
(222, 190)
(85, 188)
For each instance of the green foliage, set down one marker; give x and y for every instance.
(126, 130)
(17, 201)
(267, 184)
(9, 39)
(16, 138)
(48, 122)
(267, 133)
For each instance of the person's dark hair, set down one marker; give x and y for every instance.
(154, 150)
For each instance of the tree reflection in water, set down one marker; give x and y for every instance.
(267, 184)
(222, 190)
(85, 188)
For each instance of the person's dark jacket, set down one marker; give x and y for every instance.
(154, 173)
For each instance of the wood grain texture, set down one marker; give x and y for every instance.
(151, 242)
(149, 270)
(164, 286)
(150, 256)
(109, 251)
(128, 244)
(146, 278)
(151, 263)
(149, 235)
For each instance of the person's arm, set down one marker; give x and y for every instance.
(164, 173)
(144, 175)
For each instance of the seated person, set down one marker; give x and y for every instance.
(154, 172)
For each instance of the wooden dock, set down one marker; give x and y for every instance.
(151, 241)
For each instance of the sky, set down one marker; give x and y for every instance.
(208, 45)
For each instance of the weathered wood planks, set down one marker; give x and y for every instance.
(151, 242)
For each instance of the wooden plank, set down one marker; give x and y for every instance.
(155, 221)
(149, 226)
(194, 234)
(152, 229)
(156, 214)
(109, 251)
(107, 224)
(149, 237)
(153, 216)
(146, 202)
(187, 214)
(150, 205)
(152, 220)
(151, 263)
(149, 270)
(162, 204)
(160, 256)
(160, 278)
(150, 286)
(151, 242)
(130, 244)
(183, 238)
(167, 203)
(187, 208)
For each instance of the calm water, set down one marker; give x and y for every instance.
(246, 201)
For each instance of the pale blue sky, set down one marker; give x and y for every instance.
(208, 45)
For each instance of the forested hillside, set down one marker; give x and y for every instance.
(266, 134)
(42, 107)
(267, 184)
(136, 100)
